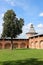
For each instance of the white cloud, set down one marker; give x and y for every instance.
(40, 31)
(40, 25)
(41, 14)
(12, 3)
(7, 0)
(39, 28)
(1, 22)
(26, 28)
(21, 3)
(2, 15)
(1, 28)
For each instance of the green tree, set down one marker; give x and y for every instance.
(12, 26)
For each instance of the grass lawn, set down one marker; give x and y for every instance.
(21, 57)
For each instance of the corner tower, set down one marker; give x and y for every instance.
(31, 31)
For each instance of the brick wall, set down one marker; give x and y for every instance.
(33, 42)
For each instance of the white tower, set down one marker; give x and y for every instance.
(31, 31)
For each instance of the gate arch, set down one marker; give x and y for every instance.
(36, 45)
(41, 44)
(32, 44)
(15, 45)
(0, 45)
(7, 46)
(22, 45)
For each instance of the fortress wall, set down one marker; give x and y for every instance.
(36, 42)
(17, 43)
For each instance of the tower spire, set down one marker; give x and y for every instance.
(31, 31)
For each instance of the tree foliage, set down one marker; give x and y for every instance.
(12, 26)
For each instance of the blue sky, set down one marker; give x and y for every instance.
(30, 10)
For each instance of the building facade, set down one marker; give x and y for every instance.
(34, 41)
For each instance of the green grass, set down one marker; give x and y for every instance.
(21, 57)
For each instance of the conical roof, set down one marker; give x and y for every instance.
(32, 30)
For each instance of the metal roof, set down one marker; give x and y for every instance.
(14, 38)
(9, 38)
(36, 35)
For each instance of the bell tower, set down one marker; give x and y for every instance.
(31, 31)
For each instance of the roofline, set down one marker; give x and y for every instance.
(21, 38)
(12, 39)
(36, 35)
(32, 33)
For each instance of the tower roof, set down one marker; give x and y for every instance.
(32, 30)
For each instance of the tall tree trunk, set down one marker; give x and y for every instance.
(12, 42)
